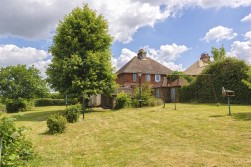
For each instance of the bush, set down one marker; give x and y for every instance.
(49, 102)
(16, 148)
(146, 96)
(2, 108)
(154, 102)
(56, 123)
(123, 100)
(72, 114)
(16, 105)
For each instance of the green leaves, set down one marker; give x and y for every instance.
(15, 147)
(20, 81)
(229, 73)
(81, 55)
(218, 54)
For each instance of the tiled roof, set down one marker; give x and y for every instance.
(196, 68)
(146, 66)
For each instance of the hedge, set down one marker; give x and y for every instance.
(49, 102)
(227, 73)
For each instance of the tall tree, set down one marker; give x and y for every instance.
(218, 54)
(21, 82)
(81, 62)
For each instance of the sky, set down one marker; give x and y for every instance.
(173, 32)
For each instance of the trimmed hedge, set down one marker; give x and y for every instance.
(228, 73)
(49, 102)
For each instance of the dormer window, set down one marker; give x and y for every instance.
(157, 78)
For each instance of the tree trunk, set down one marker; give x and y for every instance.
(83, 106)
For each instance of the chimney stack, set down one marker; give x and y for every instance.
(142, 54)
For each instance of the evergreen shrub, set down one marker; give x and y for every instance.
(56, 123)
(72, 114)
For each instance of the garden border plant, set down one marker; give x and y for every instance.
(16, 149)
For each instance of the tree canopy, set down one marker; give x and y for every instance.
(21, 82)
(178, 74)
(81, 56)
(248, 80)
(228, 73)
(218, 54)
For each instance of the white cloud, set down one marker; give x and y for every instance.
(13, 55)
(246, 18)
(125, 56)
(41, 66)
(32, 19)
(173, 66)
(242, 49)
(127, 16)
(165, 55)
(219, 33)
(37, 19)
(248, 35)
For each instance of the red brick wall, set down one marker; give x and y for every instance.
(128, 78)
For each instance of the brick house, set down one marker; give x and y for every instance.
(170, 90)
(152, 71)
(197, 67)
(157, 75)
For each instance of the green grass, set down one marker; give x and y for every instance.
(192, 135)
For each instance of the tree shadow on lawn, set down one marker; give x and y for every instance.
(216, 116)
(244, 116)
(35, 116)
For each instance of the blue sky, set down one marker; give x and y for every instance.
(173, 33)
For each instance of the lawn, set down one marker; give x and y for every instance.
(192, 135)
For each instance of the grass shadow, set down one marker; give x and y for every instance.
(244, 116)
(47, 133)
(217, 116)
(35, 116)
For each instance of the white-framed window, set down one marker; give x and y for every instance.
(157, 78)
(134, 77)
(148, 77)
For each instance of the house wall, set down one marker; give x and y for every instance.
(164, 92)
(128, 78)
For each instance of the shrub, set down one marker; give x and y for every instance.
(16, 148)
(2, 108)
(56, 123)
(146, 96)
(16, 105)
(49, 102)
(72, 114)
(154, 102)
(123, 100)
